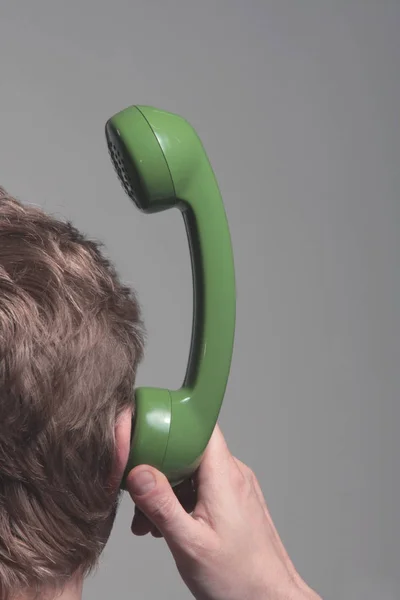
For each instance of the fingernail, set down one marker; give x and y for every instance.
(143, 482)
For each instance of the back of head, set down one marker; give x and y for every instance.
(70, 342)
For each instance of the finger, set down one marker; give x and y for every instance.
(216, 456)
(140, 524)
(156, 533)
(215, 468)
(187, 496)
(247, 472)
(217, 443)
(154, 496)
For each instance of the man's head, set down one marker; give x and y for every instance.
(70, 342)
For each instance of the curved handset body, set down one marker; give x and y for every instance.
(162, 164)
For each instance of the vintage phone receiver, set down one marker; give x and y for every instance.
(162, 164)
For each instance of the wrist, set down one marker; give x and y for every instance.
(294, 591)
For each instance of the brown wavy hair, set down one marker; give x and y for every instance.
(71, 338)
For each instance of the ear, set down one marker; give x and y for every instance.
(122, 441)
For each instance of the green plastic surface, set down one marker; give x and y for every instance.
(162, 164)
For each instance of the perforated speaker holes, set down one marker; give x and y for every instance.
(118, 162)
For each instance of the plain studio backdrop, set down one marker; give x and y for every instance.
(297, 104)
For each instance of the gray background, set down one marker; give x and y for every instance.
(297, 103)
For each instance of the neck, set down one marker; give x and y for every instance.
(71, 591)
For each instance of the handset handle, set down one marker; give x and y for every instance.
(162, 163)
(196, 406)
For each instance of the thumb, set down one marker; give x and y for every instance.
(153, 495)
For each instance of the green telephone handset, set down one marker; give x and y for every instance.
(161, 163)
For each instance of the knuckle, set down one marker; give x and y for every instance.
(251, 475)
(247, 471)
(163, 509)
(240, 480)
(244, 479)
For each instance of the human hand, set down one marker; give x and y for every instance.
(222, 537)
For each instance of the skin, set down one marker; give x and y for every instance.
(219, 532)
(221, 535)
